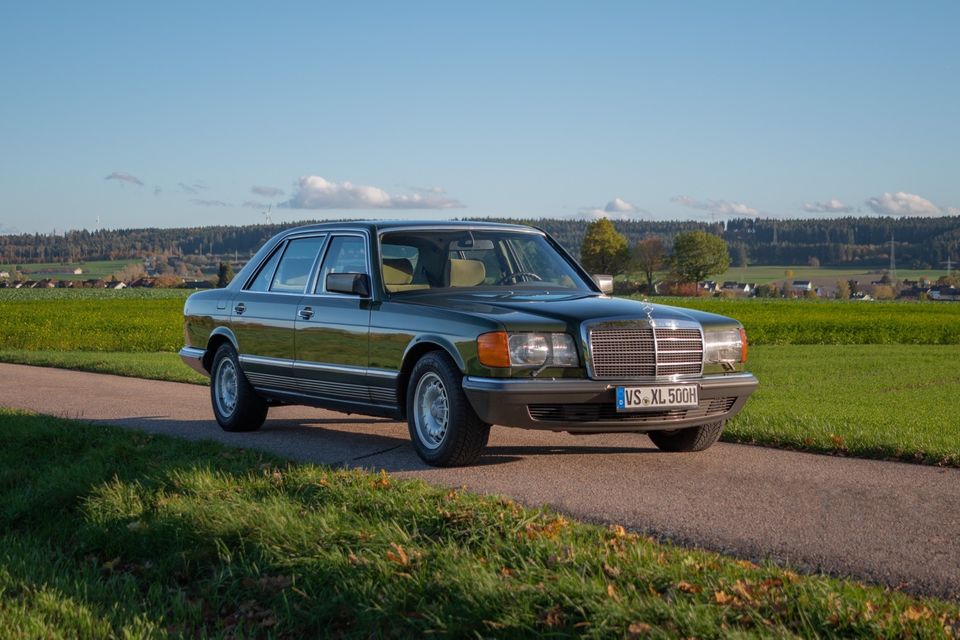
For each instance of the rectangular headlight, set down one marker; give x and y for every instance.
(724, 346)
(542, 349)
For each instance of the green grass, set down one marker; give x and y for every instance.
(780, 321)
(152, 366)
(194, 539)
(91, 320)
(879, 401)
(99, 269)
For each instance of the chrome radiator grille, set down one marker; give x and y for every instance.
(638, 350)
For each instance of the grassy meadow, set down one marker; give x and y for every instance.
(855, 378)
(99, 269)
(189, 539)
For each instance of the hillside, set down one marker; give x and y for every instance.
(920, 243)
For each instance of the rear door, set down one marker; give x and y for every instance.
(332, 329)
(263, 313)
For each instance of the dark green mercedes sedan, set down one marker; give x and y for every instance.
(456, 326)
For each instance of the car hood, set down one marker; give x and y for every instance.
(522, 309)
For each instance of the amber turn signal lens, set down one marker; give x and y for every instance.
(743, 345)
(494, 349)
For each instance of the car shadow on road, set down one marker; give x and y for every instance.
(371, 443)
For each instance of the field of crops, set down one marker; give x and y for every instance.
(772, 321)
(150, 320)
(91, 319)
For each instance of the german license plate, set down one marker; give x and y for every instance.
(664, 397)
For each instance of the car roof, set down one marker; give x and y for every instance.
(386, 225)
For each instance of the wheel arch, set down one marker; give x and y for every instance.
(218, 336)
(416, 350)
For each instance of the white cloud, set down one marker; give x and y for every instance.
(253, 204)
(619, 205)
(616, 209)
(721, 207)
(904, 204)
(269, 192)
(123, 176)
(830, 206)
(316, 192)
(209, 203)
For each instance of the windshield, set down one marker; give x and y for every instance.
(437, 259)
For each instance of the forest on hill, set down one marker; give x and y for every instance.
(920, 243)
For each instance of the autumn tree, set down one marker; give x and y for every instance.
(843, 290)
(604, 249)
(698, 254)
(224, 274)
(648, 256)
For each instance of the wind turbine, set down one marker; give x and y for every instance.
(267, 215)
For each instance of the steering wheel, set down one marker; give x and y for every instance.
(517, 277)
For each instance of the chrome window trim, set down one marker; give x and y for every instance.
(654, 324)
(455, 227)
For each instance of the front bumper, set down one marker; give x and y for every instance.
(193, 358)
(589, 406)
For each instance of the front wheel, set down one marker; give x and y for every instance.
(236, 405)
(689, 439)
(445, 430)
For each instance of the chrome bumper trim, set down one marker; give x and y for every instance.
(193, 358)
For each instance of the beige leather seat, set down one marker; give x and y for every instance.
(465, 273)
(398, 275)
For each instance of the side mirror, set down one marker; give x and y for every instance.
(353, 284)
(605, 282)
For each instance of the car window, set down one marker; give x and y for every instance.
(414, 260)
(296, 265)
(347, 254)
(265, 275)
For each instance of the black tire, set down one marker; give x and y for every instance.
(689, 439)
(464, 434)
(247, 411)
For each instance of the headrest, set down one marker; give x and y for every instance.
(465, 273)
(397, 271)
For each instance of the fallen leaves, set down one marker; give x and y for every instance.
(382, 480)
(687, 587)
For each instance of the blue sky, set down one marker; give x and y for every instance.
(169, 114)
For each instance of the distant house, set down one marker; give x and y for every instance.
(710, 286)
(143, 282)
(118, 285)
(739, 288)
(4, 274)
(802, 285)
(77, 271)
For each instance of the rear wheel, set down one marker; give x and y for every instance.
(444, 428)
(236, 405)
(690, 439)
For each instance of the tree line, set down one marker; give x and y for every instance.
(921, 243)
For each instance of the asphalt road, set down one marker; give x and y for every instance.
(885, 522)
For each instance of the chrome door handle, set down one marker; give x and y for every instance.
(306, 313)
(240, 308)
